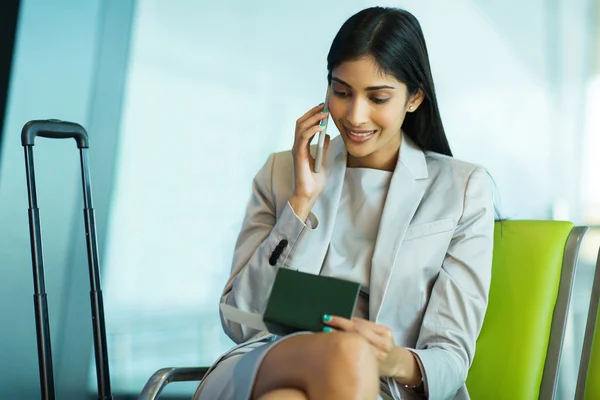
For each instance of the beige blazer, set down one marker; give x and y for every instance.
(431, 267)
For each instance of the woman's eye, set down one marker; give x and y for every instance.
(341, 94)
(377, 100)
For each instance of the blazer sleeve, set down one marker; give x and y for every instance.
(265, 243)
(454, 315)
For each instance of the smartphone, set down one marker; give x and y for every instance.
(322, 135)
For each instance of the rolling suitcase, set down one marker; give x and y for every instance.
(55, 129)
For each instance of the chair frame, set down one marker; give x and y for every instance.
(591, 326)
(549, 385)
(161, 378)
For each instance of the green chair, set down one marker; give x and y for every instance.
(518, 350)
(588, 383)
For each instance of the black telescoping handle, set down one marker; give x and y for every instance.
(42, 324)
(54, 129)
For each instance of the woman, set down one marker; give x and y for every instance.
(390, 209)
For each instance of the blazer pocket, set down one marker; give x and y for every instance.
(429, 228)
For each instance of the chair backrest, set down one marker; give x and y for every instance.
(588, 383)
(518, 350)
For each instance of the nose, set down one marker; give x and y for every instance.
(358, 112)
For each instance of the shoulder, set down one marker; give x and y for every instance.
(283, 159)
(277, 173)
(279, 167)
(276, 164)
(453, 181)
(457, 170)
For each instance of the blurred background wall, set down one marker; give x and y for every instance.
(184, 100)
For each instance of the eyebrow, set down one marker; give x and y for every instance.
(333, 78)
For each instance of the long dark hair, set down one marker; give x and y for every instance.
(393, 37)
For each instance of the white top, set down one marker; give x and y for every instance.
(355, 231)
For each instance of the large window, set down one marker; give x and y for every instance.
(209, 96)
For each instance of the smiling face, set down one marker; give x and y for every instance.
(368, 108)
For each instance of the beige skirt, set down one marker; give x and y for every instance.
(232, 376)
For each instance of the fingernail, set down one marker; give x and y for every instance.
(325, 111)
(326, 317)
(322, 123)
(321, 103)
(327, 329)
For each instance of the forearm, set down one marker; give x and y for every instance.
(259, 252)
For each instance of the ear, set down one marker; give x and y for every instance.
(415, 101)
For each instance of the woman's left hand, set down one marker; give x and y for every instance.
(379, 336)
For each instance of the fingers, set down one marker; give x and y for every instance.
(311, 121)
(379, 336)
(379, 343)
(345, 324)
(312, 160)
(310, 113)
(339, 323)
(303, 139)
(383, 331)
(307, 127)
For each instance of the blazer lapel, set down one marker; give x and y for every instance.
(403, 198)
(315, 247)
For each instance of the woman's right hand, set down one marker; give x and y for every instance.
(308, 184)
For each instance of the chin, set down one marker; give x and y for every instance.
(358, 150)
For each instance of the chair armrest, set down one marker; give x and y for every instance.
(163, 377)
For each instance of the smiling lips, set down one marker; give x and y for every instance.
(359, 135)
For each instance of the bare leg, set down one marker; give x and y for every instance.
(285, 394)
(331, 366)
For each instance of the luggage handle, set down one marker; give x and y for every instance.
(54, 129)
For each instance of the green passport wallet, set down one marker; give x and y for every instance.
(298, 302)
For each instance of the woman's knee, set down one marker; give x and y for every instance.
(350, 362)
(351, 351)
(284, 394)
(332, 365)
